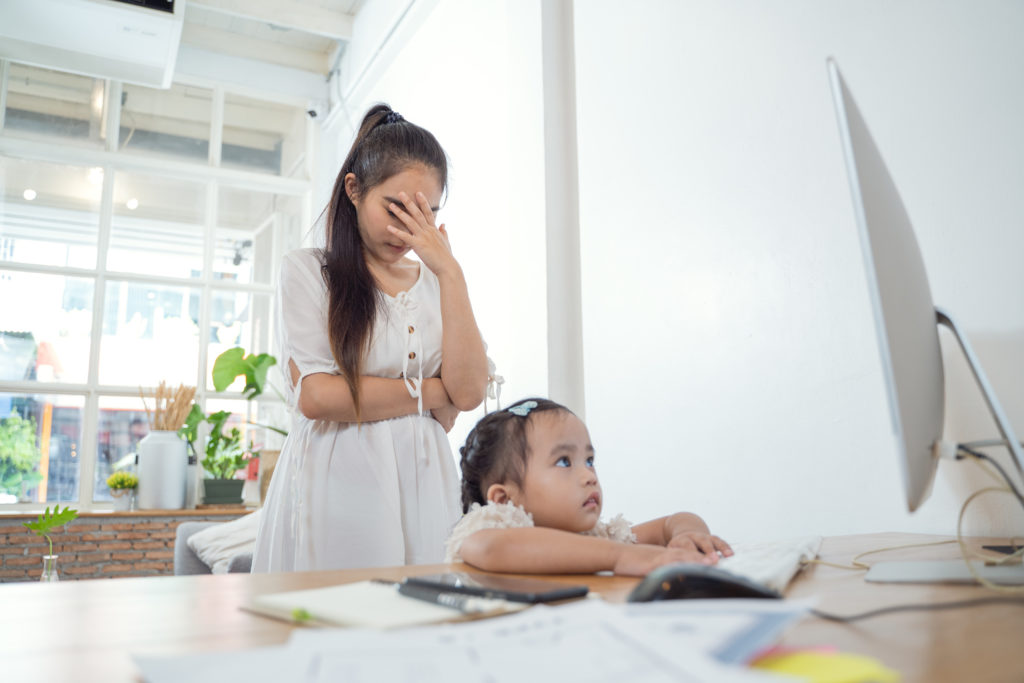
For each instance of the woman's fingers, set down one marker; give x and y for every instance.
(418, 232)
(401, 214)
(414, 213)
(404, 235)
(424, 208)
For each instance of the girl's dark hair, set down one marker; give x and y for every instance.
(496, 450)
(386, 144)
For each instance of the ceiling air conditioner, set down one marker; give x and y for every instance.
(136, 42)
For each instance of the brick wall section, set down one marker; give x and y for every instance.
(99, 545)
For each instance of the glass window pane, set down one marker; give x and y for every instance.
(263, 136)
(45, 103)
(173, 123)
(39, 444)
(49, 213)
(150, 333)
(237, 319)
(45, 328)
(157, 226)
(122, 424)
(246, 225)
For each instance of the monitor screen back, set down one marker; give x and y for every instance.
(904, 313)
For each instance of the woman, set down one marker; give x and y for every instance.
(382, 353)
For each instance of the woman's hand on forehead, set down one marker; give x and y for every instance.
(417, 231)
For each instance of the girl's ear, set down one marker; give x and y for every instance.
(352, 186)
(500, 493)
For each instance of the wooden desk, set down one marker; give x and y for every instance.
(87, 630)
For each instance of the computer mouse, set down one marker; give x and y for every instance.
(696, 581)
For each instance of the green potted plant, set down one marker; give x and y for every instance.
(223, 456)
(44, 523)
(19, 457)
(122, 487)
(235, 363)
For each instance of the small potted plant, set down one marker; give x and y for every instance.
(122, 487)
(44, 523)
(223, 456)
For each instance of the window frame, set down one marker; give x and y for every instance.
(215, 177)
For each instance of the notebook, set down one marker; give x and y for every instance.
(371, 604)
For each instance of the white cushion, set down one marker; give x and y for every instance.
(218, 543)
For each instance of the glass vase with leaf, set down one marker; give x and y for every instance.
(43, 526)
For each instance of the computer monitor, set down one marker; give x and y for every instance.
(906, 318)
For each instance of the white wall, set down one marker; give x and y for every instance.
(471, 75)
(730, 358)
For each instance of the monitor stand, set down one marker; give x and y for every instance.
(956, 571)
(1009, 438)
(943, 571)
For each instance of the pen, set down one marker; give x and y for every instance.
(466, 604)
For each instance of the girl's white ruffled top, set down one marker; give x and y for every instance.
(511, 516)
(346, 495)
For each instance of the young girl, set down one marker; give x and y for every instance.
(533, 504)
(382, 352)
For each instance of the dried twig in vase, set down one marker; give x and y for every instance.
(170, 408)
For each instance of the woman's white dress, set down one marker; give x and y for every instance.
(370, 495)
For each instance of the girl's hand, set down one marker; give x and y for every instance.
(703, 542)
(417, 231)
(640, 559)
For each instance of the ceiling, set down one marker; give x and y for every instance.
(309, 35)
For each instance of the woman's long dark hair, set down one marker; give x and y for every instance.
(386, 144)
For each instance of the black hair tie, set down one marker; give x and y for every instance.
(392, 117)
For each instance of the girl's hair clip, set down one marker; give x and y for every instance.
(522, 409)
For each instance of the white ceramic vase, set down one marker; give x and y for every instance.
(163, 463)
(122, 499)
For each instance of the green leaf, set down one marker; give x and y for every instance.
(233, 362)
(225, 454)
(190, 430)
(227, 367)
(256, 377)
(47, 520)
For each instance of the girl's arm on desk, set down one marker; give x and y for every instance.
(542, 550)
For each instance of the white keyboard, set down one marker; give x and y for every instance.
(771, 563)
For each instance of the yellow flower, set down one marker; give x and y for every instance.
(122, 480)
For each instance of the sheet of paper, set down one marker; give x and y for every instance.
(731, 631)
(260, 664)
(585, 640)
